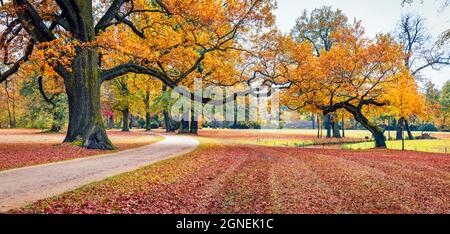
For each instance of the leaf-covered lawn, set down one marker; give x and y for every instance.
(20, 148)
(291, 138)
(225, 178)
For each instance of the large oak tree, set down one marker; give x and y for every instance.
(355, 75)
(79, 39)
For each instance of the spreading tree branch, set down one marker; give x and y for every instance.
(44, 95)
(124, 69)
(15, 67)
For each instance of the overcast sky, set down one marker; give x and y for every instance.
(377, 16)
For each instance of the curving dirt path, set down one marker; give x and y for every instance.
(21, 186)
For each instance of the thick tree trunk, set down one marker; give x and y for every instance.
(184, 126)
(83, 92)
(82, 83)
(126, 120)
(321, 128)
(335, 127)
(111, 122)
(194, 127)
(175, 125)
(318, 126)
(400, 124)
(336, 131)
(408, 130)
(194, 119)
(167, 123)
(185, 117)
(328, 125)
(343, 126)
(380, 141)
(148, 121)
(235, 120)
(148, 117)
(389, 128)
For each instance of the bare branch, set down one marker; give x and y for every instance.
(15, 67)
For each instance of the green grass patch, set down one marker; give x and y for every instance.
(437, 146)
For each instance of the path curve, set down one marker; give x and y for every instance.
(21, 186)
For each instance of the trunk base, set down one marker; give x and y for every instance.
(378, 134)
(184, 126)
(96, 139)
(194, 127)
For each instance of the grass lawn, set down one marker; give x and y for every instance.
(26, 147)
(310, 132)
(438, 145)
(224, 177)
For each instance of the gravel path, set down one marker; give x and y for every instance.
(21, 186)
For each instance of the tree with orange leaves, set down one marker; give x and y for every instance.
(89, 42)
(317, 28)
(355, 75)
(405, 100)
